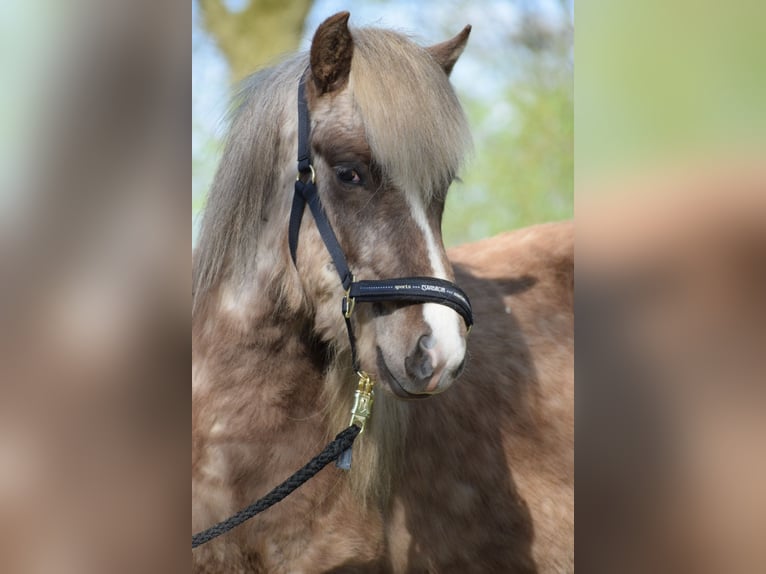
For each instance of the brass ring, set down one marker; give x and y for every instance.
(313, 175)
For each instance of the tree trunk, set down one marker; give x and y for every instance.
(257, 35)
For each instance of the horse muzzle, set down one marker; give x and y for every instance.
(427, 370)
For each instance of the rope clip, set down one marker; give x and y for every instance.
(363, 399)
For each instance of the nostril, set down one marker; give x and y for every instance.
(427, 342)
(426, 368)
(419, 365)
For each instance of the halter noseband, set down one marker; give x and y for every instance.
(404, 289)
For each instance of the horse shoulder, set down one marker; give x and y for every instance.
(521, 369)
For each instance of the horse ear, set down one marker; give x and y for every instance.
(447, 53)
(331, 51)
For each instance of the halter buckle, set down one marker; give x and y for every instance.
(349, 302)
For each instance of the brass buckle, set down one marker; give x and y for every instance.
(350, 301)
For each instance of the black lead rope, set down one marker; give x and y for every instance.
(404, 289)
(331, 452)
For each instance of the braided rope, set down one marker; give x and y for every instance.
(342, 442)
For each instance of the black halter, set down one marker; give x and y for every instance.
(405, 289)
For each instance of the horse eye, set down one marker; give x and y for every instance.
(348, 175)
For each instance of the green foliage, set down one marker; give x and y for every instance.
(519, 175)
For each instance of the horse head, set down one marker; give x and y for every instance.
(387, 138)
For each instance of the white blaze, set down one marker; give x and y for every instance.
(444, 322)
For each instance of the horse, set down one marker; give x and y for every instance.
(466, 463)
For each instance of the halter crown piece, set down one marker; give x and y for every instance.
(404, 289)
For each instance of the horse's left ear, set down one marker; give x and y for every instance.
(331, 51)
(447, 53)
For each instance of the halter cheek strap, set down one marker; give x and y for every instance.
(403, 289)
(306, 193)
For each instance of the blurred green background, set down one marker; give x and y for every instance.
(664, 82)
(515, 81)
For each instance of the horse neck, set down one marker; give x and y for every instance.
(252, 329)
(262, 348)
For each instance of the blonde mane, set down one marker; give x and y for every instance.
(378, 452)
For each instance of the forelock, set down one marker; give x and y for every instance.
(414, 124)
